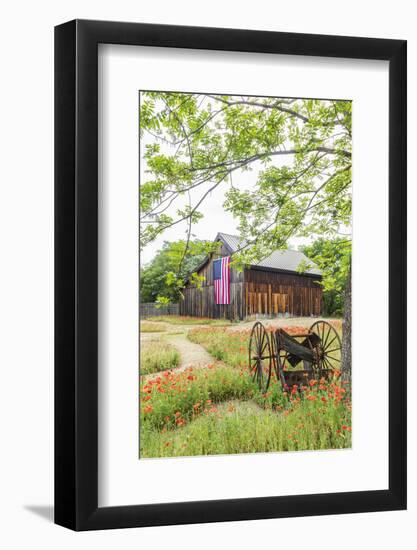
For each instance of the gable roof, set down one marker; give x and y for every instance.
(282, 260)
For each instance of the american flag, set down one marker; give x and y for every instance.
(221, 276)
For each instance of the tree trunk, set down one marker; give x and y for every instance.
(347, 330)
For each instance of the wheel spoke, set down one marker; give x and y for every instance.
(334, 359)
(331, 341)
(331, 350)
(327, 362)
(327, 337)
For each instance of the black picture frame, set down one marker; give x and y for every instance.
(76, 272)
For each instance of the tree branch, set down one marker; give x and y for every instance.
(259, 156)
(278, 106)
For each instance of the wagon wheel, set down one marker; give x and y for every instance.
(329, 347)
(279, 357)
(274, 352)
(260, 358)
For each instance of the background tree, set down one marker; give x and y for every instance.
(332, 256)
(298, 149)
(162, 279)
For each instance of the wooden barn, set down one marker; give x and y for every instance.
(273, 287)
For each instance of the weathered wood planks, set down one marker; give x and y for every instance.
(254, 291)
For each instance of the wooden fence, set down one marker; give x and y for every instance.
(151, 310)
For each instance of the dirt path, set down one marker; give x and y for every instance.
(191, 354)
(177, 335)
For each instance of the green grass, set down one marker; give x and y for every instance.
(157, 355)
(146, 326)
(220, 410)
(237, 427)
(230, 347)
(186, 320)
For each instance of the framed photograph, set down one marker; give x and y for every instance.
(230, 254)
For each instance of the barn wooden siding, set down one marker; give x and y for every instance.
(201, 302)
(272, 293)
(254, 291)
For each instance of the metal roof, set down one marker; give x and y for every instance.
(285, 260)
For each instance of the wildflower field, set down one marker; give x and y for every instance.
(219, 409)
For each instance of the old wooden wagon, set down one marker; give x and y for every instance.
(272, 287)
(295, 359)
